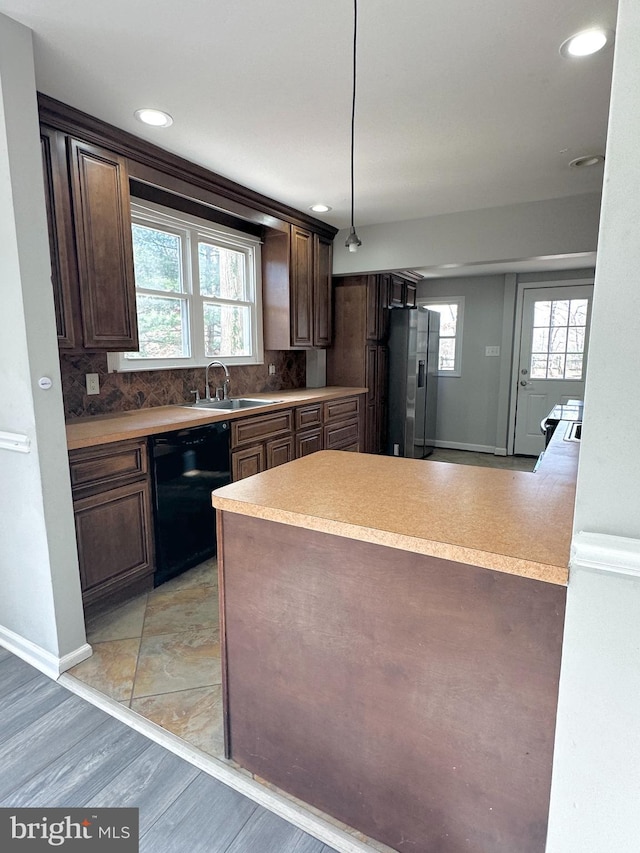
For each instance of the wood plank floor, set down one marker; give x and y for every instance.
(57, 750)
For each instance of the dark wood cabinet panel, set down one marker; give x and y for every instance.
(308, 416)
(336, 410)
(114, 536)
(297, 284)
(114, 523)
(410, 296)
(279, 450)
(342, 436)
(322, 285)
(251, 430)
(302, 287)
(102, 221)
(94, 469)
(309, 441)
(247, 462)
(359, 354)
(64, 272)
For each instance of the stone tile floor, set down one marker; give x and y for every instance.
(159, 654)
(485, 460)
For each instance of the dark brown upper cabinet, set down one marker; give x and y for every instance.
(296, 280)
(102, 222)
(64, 270)
(88, 214)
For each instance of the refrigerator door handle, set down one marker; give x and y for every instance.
(421, 373)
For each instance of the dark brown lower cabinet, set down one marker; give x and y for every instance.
(113, 519)
(309, 441)
(415, 700)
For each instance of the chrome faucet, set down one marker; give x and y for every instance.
(226, 385)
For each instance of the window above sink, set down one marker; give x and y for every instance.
(197, 292)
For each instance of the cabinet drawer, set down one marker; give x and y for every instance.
(247, 430)
(309, 416)
(339, 410)
(342, 436)
(96, 468)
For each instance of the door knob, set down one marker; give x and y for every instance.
(524, 383)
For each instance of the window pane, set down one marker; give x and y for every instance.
(560, 312)
(540, 340)
(578, 312)
(539, 367)
(162, 325)
(558, 340)
(556, 366)
(448, 317)
(573, 369)
(575, 341)
(447, 354)
(221, 272)
(542, 314)
(227, 330)
(156, 259)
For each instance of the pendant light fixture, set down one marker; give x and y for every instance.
(353, 240)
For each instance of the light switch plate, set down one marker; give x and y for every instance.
(272, 370)
(492, 350)
(93, 383)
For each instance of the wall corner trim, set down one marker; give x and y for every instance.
(40, 658)
(601, 552)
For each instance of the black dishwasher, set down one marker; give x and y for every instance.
(187, 465)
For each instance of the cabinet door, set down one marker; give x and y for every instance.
(396, 292)
(279, 451)
(64, 274)
(342, 436)
(410, 296)
(247, 462)
(102, 221)
(108, 559)
(371, 379)
(301, 287)
(322, 282)
(309, 441)
(373, 308)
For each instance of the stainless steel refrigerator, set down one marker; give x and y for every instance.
(413, 379)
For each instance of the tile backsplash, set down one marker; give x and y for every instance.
(120, 392)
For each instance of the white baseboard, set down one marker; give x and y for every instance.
(600, 552)
(40, 658)
(289, 809)
(500, 451)
(458, 445)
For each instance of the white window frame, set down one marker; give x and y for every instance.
(191, 229)
(425, 302)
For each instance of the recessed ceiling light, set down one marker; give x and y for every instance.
(586, 42)
(320, 208)
(156, 118)
(587, 160)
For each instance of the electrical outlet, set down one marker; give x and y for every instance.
(272, 370)
(492, 350)
(93, 383)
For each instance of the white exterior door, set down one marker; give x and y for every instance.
(553, 357)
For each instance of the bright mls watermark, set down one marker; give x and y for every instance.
(35, 830)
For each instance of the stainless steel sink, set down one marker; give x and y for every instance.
(231, 405)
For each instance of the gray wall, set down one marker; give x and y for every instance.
(595, 797)
(560, 226)
(473, 409)
(40, 604)
(467, 404)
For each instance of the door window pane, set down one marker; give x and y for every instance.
(578, 312)
(541, 314)
(560, 312)
(540, 340)
(539, 366)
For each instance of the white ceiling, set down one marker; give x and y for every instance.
(461, 104)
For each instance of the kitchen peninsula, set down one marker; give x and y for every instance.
(392, 633)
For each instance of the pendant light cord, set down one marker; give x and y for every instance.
(353, 103)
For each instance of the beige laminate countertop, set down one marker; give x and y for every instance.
(509, 521)
(104, 429)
